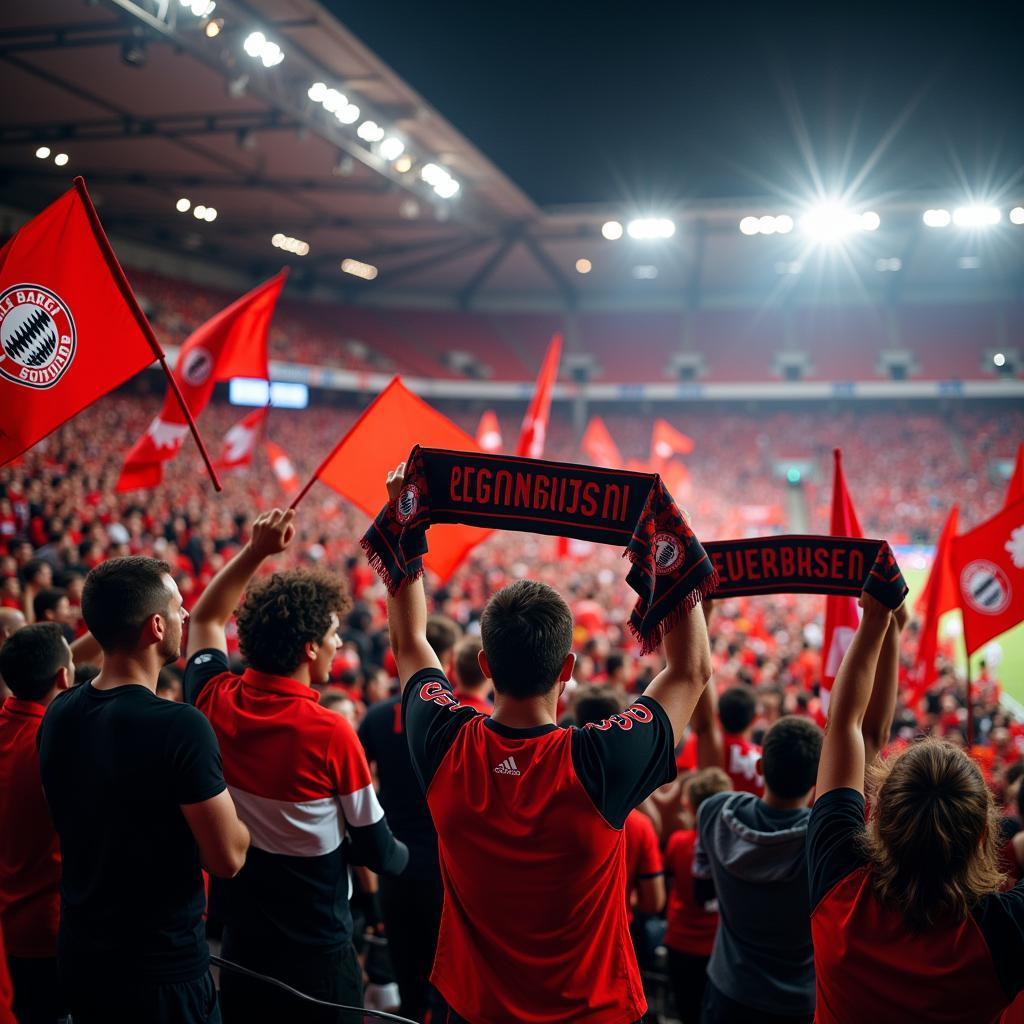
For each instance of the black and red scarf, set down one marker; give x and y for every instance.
(670, 570)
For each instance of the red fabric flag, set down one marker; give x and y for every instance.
(940, 580)
(842, 616)
(488, 433)
(666, 441)
(379, 440)
(599, 446)
(989, 567)
(535, 423)
(240, 441)
(1015, 491)
(70, 328)
(282, 467)
(231, 344)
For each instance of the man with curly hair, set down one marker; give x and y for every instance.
(298, 775)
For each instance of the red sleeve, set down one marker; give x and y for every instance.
(648, 863)
(6, 988)
(346, 760)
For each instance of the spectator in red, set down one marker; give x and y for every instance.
(472, 687)
(691, 924)
(36, 664)
(737, 709)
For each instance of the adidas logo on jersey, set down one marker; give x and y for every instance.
(508, 767)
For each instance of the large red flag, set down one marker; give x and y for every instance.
(941, 580)
(599, 446)
(841, 613)
(379, 440)
(70, 328)
(231, 344)
(989, 566)
(535, 423)
(240, 441)
(488, 433)
(666, 441)
(1015, 491)
(282, 467)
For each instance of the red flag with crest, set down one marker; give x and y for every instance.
(282, 467)
(241, 440)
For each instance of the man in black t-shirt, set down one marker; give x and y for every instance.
(134, 781)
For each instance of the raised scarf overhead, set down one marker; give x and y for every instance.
(670, 570)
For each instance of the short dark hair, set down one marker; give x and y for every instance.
(526, 629)
(614, 662)
(789, 758)
(468, 672)
(282, 613)
(120, 595)
(736, 709)
(46, 601)
(597, 705)
(442, 635)
(32, 657)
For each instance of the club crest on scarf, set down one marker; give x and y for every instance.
(37, 336)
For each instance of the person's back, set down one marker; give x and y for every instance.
(751, 855)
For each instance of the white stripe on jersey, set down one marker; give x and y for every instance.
(361, 808)
(308, 829)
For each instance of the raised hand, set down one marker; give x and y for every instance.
(272, 532)
(395, 480)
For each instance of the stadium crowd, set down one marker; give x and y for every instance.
(286, 913)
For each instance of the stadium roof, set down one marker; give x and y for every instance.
(151, 107)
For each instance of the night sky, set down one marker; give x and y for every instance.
(650, 101)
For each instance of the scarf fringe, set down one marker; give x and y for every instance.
(650, 640)
(378, 566)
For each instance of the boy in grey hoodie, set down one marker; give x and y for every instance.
(751, 855)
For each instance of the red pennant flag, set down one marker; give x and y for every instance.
(282, 467)
(240, 441)
(379, 440)
(599, 446)
(1015, 491)
(941, 580)
(535, 423)
(231, 344)
(989, 567)
(70, 327)
(841, 613)
(666, 441)
(488, 433)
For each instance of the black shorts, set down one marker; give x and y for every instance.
(125, 1002)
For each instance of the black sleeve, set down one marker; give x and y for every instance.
(365, 734)
(193, 756)
(1001, 919)
(624, 759)
(201, 668)
(833, 840)
(431, 718)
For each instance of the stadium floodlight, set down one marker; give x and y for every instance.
(870, 221)
(403, 164)
(332, 100)
(359, 269)
(289, 244)
(645, 272)
(433, 173)
(1016, 215)
(348, 113)
(43, 152)
(749, 226)
(583, 265)
(447, 189)
(200, 8)
(318, 92)
(370, 131)
(60, 159)
(199, 213)
(766, 225)
(999, 359)
(211, 214)
(649, 228)
(977, 216)
(612, 230)
(829, 222)
(183, 205)
(784, 224)
(259, 47)
(391, 148)
(213, 27)
(936, 218)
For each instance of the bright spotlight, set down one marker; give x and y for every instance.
(254, 43)
(403, 164)
(433, 174)
(370, 131)
(359, 269)
(199, 213)
(829, 222)
(999, 359)
(612, 230)
(211, 214)
(348, 113)
(784, 224)
(318, 92)
(749, 226)
(648, 228)
(43, 152)
(183, 205)
(1016, 214)
(391, 148)
(766, 225)
(936, 218)
(213, 27)
(332, 100)
(259, 47)
(583, 266)
(447, 188)
(869, 221)
(60, 159)
(976, 216)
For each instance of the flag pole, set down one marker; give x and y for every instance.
(970, 707)
(144, 325)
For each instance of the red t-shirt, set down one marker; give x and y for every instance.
(6, 988)
(691, 925)
(29, 849)
(741, 757)
(643, 857)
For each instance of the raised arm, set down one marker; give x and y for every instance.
(678, 686)
(704, 720)
(407, 612)
(843, 752)
(272, 532)
(882, 705)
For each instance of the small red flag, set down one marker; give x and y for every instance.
(1015, 490)
(940, 580)
(240, 441)
(488, 433)
(842, 615)
(379, 440)
(989, 566)
(535, 423)
(599, 446)
(666, 441)
(282, 467)
(231, 344)
(70, 328)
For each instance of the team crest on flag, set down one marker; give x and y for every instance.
(985, 587)
(37, 336)
(197, 366)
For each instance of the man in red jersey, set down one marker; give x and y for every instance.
(530, 816)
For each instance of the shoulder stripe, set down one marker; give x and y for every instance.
(361, 808)
(308, 829)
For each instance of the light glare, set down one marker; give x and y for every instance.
(583, 265)
(648, 228)
(43, 152)
(183, 205)
(60, 159)
(784, 224)
(317, 92)
(749, 226)
(869, 221)
(359, 269)
(1017, 215)
(612, 230)
(999, 359)
(976, 216)
(392, 148)
(936, 218)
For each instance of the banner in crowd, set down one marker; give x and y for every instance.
(534, 430)
(70, 327)
(241, 440)
(599, 446)
(282, 468)
(666, 441)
